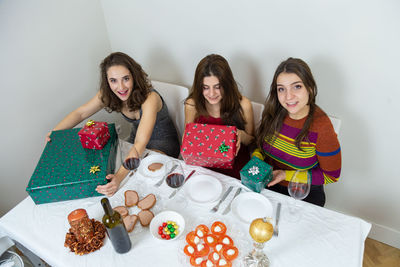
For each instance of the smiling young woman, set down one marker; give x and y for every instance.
(215, 99)
(125, 88)
(296, 134)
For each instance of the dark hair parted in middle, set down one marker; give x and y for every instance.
(141, 84)
(230, 110)
(274, 114)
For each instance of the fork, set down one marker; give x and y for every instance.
(222, 199)
(278, 213)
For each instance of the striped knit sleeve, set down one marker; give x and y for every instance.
(257, 153)
(328, 154)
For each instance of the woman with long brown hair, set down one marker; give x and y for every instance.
(125, 88)
(296, 134)
(215, 99)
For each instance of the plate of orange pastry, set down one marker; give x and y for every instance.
(210, 246)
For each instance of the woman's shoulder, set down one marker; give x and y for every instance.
(153, 100)
(321, 121)
(190, 102)
(245, 103)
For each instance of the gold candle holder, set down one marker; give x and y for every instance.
(261, 230)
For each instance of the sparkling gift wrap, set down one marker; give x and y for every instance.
(256, 174)
(68, 171)
(209, 145)
(94, 135)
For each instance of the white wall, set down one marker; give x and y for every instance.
(50, 51)
(49, 57)
(351, 46)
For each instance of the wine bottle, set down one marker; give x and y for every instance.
(115, 228)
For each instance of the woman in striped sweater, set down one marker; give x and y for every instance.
(296, 134)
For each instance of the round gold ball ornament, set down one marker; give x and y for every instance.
(261, 230)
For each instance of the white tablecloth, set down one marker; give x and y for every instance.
(320, 238)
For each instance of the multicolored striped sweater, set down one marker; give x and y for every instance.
(321, 154)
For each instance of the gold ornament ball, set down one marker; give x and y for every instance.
(261, 230)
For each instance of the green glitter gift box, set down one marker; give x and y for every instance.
(256, 174)
(68, 171)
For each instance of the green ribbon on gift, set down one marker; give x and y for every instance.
(223, 148)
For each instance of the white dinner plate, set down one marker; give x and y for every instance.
(203, 188)
(155, 158)
(249, 206)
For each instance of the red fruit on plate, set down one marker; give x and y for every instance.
(211, 240)
(226, 240)
(189, 250)
(230, 253)
(218, 228)
(192, 238)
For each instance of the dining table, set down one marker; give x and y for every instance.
(320, 237)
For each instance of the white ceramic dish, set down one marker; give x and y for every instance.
(249, 206)
(203, 188)
(165, 216)
(156, 158)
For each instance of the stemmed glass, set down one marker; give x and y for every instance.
(177, 176)
(299, 188)
(132, 162)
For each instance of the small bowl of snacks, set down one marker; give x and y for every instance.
(167, 225)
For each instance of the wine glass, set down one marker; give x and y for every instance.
(298, 188)
(132, 161)
(176, 176)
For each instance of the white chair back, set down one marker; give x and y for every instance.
(257, 113)
(336, 122)
(174, 96)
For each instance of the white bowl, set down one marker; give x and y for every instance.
(165, 216)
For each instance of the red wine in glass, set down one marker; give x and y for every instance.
(131, 163)
(175, 180)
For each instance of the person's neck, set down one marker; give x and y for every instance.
(214, 110)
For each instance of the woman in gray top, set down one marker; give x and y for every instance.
(125, 88)
(164, 137)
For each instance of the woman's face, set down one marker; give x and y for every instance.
(292, 95)
(212, 90)
(120, 80)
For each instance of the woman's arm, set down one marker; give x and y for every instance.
(150, 108)
(79, 114)
(190, 111)
(328, 154)
(247, 136)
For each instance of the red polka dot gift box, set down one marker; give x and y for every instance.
(67, 171)
(209, 145)
(94, 135)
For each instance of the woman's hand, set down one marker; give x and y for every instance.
(238, 139)
(278, 176)
(48, 136)
(110, 188)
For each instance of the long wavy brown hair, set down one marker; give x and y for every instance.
(231, 110)
(274, 114)
(141, 84)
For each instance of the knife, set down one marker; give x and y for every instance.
(176, 190)
(165, 176)
(278, 213)
(228, 208)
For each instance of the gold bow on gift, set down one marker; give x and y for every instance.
(94, 169)
(90, 123)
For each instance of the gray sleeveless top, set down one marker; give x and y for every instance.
(164, 136)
